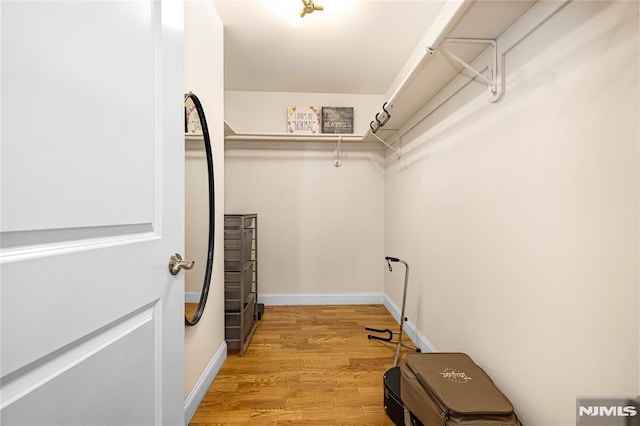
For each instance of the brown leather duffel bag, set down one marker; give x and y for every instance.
(450, 389)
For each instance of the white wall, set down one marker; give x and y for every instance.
(520, 220)
(203, 59)
(320, 227)
(266, 112)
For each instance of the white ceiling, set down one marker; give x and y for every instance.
(353, 46)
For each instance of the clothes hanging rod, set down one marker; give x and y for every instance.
(286, 137)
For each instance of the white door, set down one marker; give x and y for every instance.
(92, 159)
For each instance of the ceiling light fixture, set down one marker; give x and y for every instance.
(309, 7)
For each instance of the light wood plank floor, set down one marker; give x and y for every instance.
(306, 365)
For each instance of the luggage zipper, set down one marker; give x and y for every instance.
(445, 417)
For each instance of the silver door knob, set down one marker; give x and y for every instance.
(176, 263)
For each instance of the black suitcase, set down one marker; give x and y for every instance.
(392, 400)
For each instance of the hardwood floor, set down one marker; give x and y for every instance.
(190, 310)
(306, 365)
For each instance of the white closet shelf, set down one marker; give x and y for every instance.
(228, 130)
(194, 141)
(475, 25)
(231, 135)
(322, 141)
(299, 142)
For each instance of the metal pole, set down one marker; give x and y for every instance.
(402, 317)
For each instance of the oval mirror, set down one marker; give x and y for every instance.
(196, 129)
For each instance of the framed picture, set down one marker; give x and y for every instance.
(191, 119)
(303, 120)
(337, 119)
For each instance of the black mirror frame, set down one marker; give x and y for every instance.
(212, 220)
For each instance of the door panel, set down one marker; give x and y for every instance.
(92, 172)
(74, 373)
(65, 57)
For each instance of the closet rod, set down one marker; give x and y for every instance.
(285, 137)
(367, 149)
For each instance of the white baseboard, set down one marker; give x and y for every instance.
(409, 327)
(199, 390)
(191, 297)
(281, 299)
(295, 299)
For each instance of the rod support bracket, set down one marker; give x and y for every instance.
(494, 83)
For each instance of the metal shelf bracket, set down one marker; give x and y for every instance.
(382, 141)
(494, 83)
